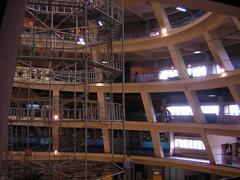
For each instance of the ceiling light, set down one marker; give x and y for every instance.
(197, 52)
(81, 41)
(181, 8)
(56, 117)
(55, 152)
(99, 84)
(211, 95)
(100, 23)
(164, 31)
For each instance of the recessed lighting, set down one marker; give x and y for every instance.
(181, 8)
(164, 31)
(197, 52)
(211, 95)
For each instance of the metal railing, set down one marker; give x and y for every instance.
(164, 76)
(112, 111)
(108, 8)
(43, 75)
(16, 113)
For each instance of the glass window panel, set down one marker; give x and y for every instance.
(189, 144)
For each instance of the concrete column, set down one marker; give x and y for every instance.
(157, 143)
(149, 110)
(221, 104)
(171, 139)
(190, 95)
(106, 140)
(11, 23)
(195, 105)
(207, 144)
(148, 106)
(161, 16)
(102, 105)
(178, 61)
(235, 91)
(218, 51)
(208, 64)
(55, 120)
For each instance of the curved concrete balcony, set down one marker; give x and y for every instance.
(153, 161)
(186, 33)
(208, 82)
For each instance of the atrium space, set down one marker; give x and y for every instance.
(119, 90)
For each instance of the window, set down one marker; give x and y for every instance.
(211, 109)
(232, 110)
(197, 71)
(189, 144)
(192, 71)
(187, 111)
(166, 74)
(180, 110)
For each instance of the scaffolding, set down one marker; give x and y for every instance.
(67, 43)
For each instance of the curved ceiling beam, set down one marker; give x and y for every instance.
(216, 7)
(193, 30)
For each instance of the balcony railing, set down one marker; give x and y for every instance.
(172, 74)
(111, 112)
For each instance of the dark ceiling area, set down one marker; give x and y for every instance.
(228, 2)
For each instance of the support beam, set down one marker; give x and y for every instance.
(102, 107)
(106, 140)
(208, 148)
(161, 16)
(149, 110)
(190, 95)
(195, 105)
(157, 143)
(218, 51)
(55, 119)
(183, 74)
(148, 106)
(11, 23)
(178, 61)
(235, 91)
